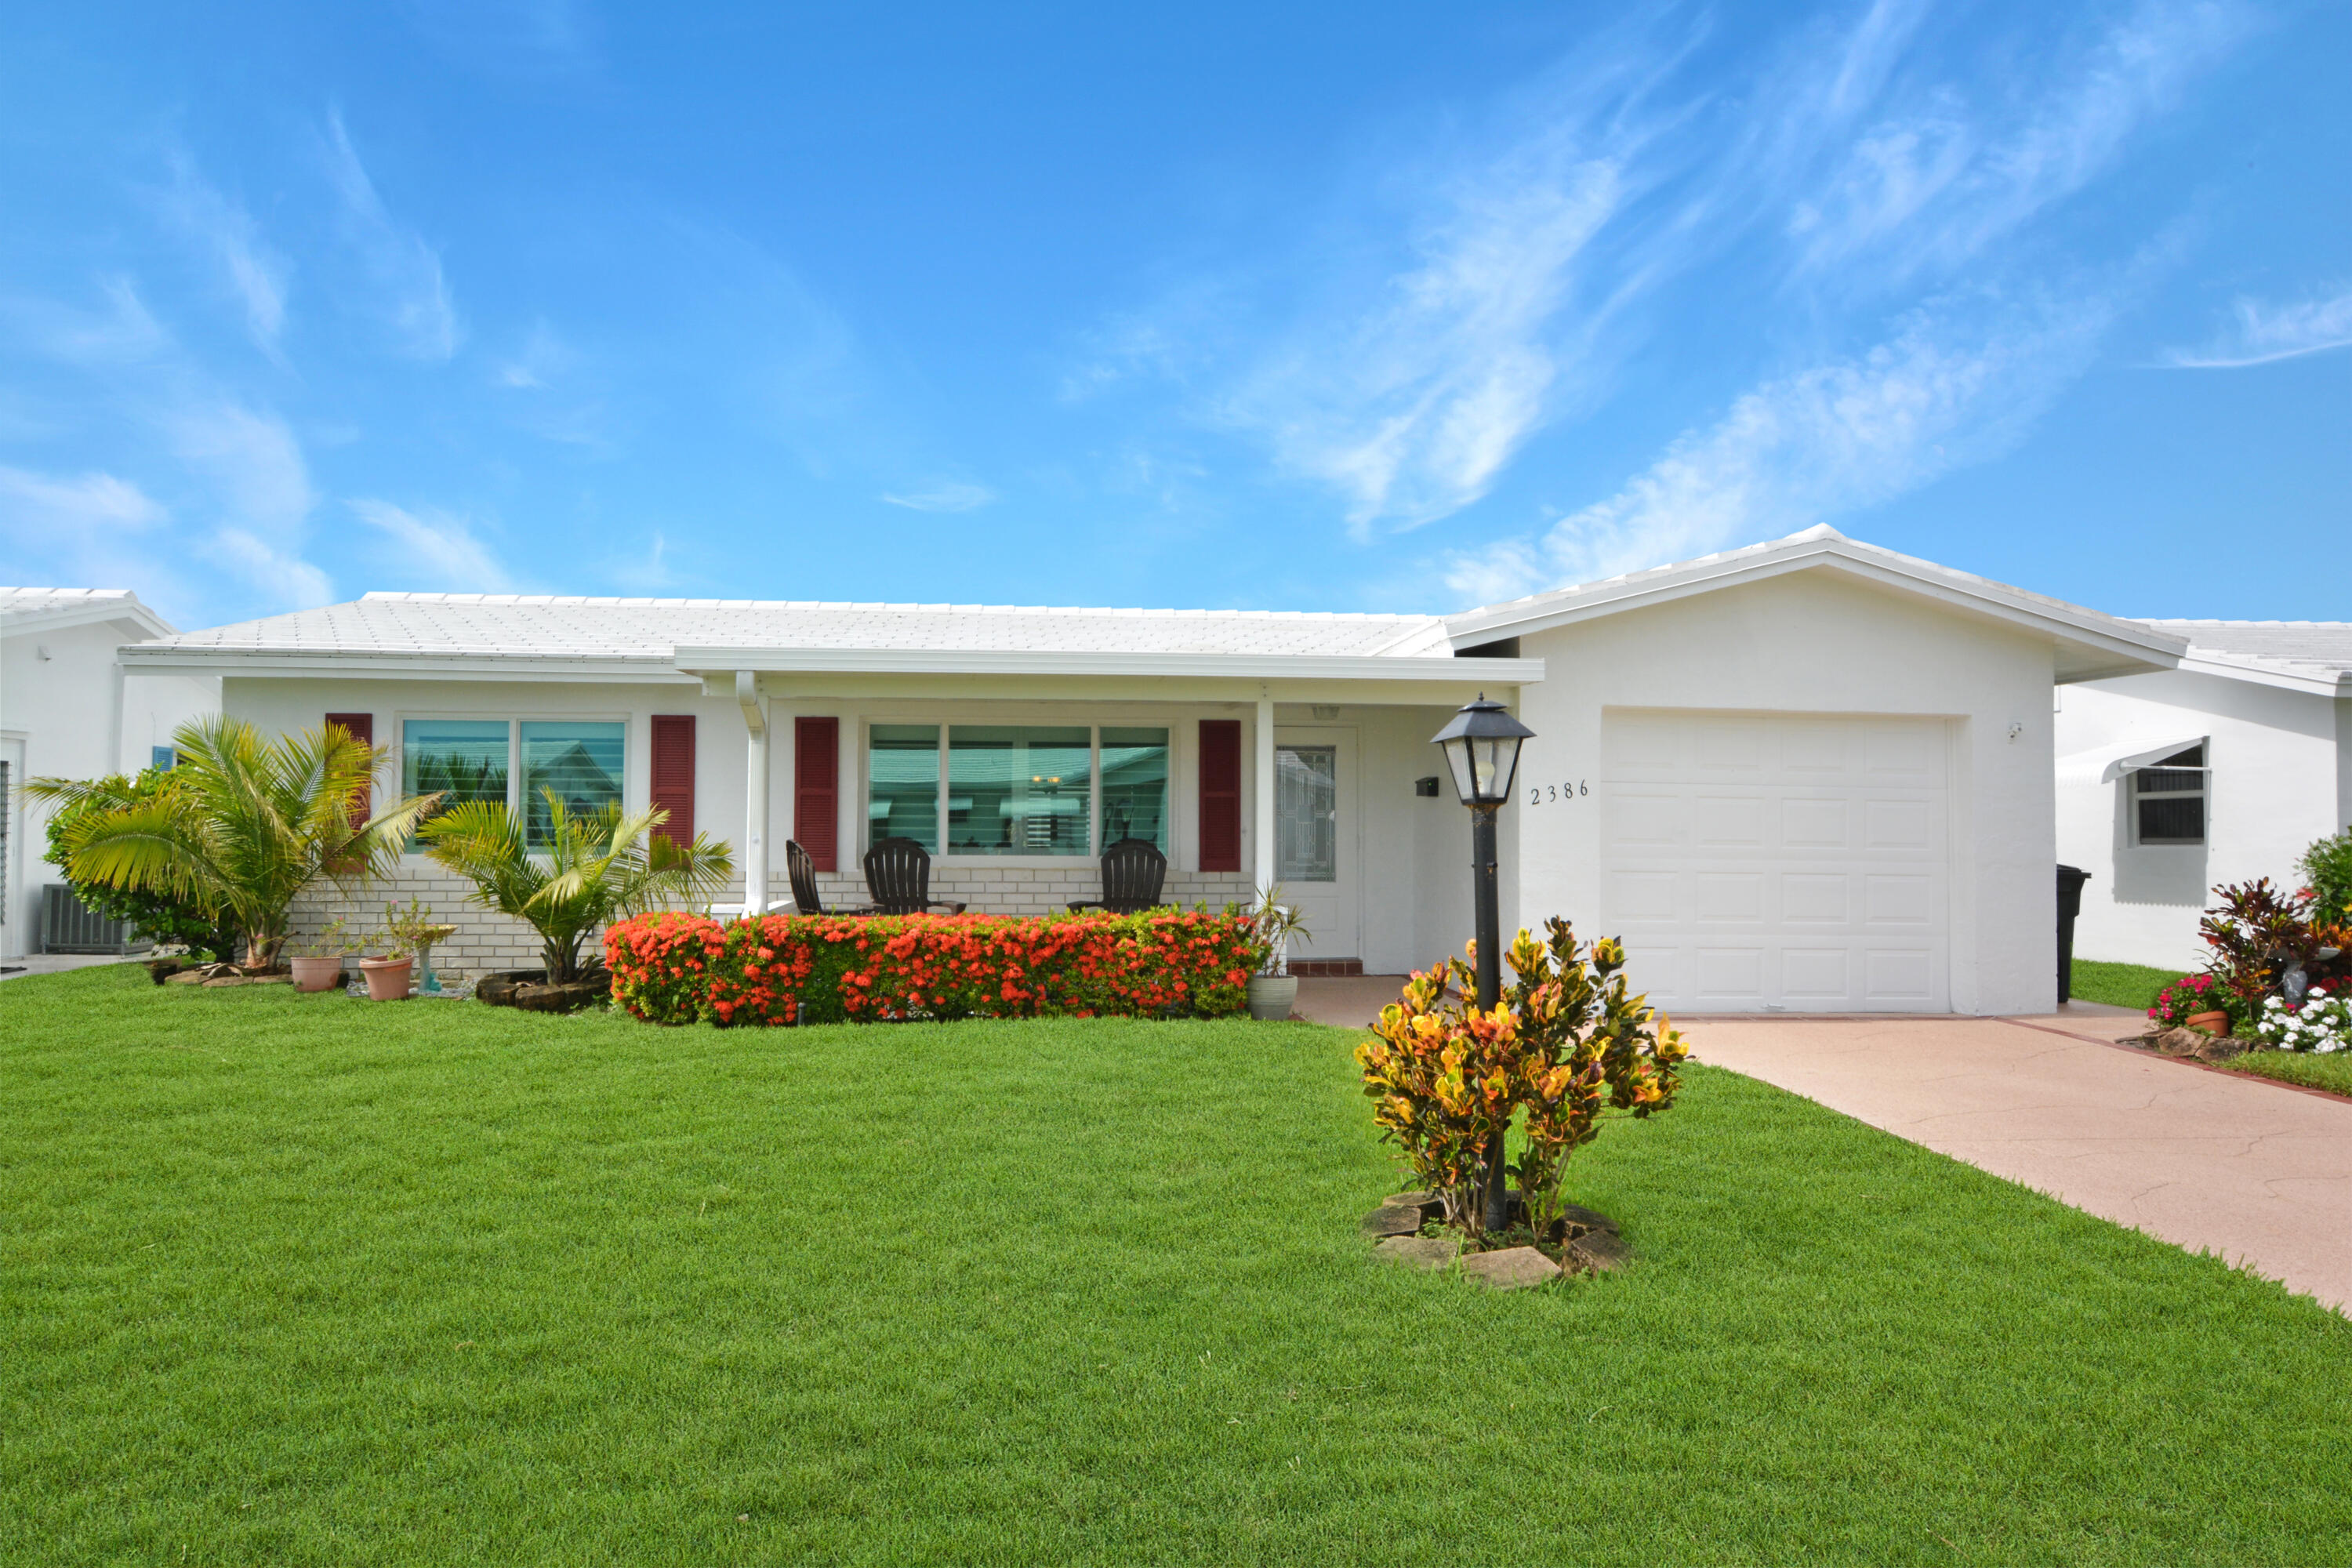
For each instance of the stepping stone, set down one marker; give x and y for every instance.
(1410, 1200)
(1580, 1218)
(1601, 1252)
(1416, 1251)
(1392, 1220)
(1512, 1268)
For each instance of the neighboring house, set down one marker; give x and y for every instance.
(2221, 771)
(1810, 775)
(67, 712)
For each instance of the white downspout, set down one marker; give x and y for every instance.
(755, 793)
(1263, 813)
(114, 763)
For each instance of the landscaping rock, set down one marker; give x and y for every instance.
(1417, 1251)
(1410, 1200)
(1581, 1219)
(1392, 1220)
(2196, 1045)
(1599, 1252)
(498, 989)
(1512, 1268)
(566, 998)
(185, 977)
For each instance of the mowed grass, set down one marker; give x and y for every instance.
(2332, 1072)
(297, 1279)
(2118, 985)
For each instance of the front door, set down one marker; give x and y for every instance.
(1315, 837)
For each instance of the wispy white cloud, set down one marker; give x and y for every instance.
(36, 503)
(436, 547)
(952, 495)
(283, 579)
(122, 332)
(2261, 333)
(404, 268)
(252, 460)
(510, 38)
(254, 270)
(542, 359)
(1958, 382)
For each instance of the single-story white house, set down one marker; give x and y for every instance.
(66, 712)
(2223, 770)
(1808, 775)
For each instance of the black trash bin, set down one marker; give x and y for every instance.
(2070, 904)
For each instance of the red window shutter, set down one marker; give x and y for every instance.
(673, 775)
(1220, 795)
(816, 788)
(362, 728)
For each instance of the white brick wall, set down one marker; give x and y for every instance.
(487, 941)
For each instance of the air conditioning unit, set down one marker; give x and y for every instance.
(69, 927)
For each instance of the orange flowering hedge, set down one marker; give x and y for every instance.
(674, 968)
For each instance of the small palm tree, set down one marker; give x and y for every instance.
(246, 825)
(598, 867)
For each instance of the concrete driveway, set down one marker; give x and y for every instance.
(2255, 1171)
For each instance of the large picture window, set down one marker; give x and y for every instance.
(580, 762)
(1016, 789)
(902, 783)
(1019, 789)
(2168, 799)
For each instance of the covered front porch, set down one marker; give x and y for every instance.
(1328, 788)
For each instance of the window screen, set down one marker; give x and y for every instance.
(1135, 786)
(2169, 799)
(461, 759)
(1019, 789)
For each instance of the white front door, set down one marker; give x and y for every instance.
(1315, 837)
(1779, 862)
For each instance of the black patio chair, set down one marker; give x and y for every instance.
(802, 867)
(1132, 870)
(898, 879)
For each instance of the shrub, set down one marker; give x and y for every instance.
(2257, 932)
(673, 968)
(203, 924)
(1565, 1040)
(2328, 864)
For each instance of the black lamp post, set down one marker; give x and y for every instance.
(1482, 746)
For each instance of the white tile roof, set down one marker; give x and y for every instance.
(474, 625)
(2318, 648)
(20, 607)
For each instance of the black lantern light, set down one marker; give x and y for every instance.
(1482, 746)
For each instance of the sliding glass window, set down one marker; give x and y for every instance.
(1019, 789)
(459, 758)
(902, 788)
(580, 762)
(1135, 786)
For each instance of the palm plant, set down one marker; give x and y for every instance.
(246, 824)
(597, 867)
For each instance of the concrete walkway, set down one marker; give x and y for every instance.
(58, 963)
(2211, 1162)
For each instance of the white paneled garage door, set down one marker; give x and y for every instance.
(1778, 861)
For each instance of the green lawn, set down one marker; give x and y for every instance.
(293, 1279)
(2332, 1073)
(2119, 984)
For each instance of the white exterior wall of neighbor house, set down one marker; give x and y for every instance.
(1411, 850)
(72, 714)
(1812, 643)
(2281, 761)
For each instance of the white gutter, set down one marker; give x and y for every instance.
(1225, 666)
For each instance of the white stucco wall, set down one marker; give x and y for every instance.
(1412, 853)
(2281, 777)
(1814, 642)
(70, 715)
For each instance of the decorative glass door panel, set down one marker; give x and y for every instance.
(1307, 814)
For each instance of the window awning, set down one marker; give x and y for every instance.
(2117, 758)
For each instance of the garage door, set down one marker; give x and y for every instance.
(1776, 862)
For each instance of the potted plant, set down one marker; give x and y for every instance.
(414, 929)
(388, 972)
(319, 961)
(1274, 989)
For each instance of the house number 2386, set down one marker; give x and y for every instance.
(1544, 795)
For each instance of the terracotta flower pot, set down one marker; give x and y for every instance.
(387, 978)
(2216, 1023)
(318, 973)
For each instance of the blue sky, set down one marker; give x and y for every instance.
(1325, 307)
